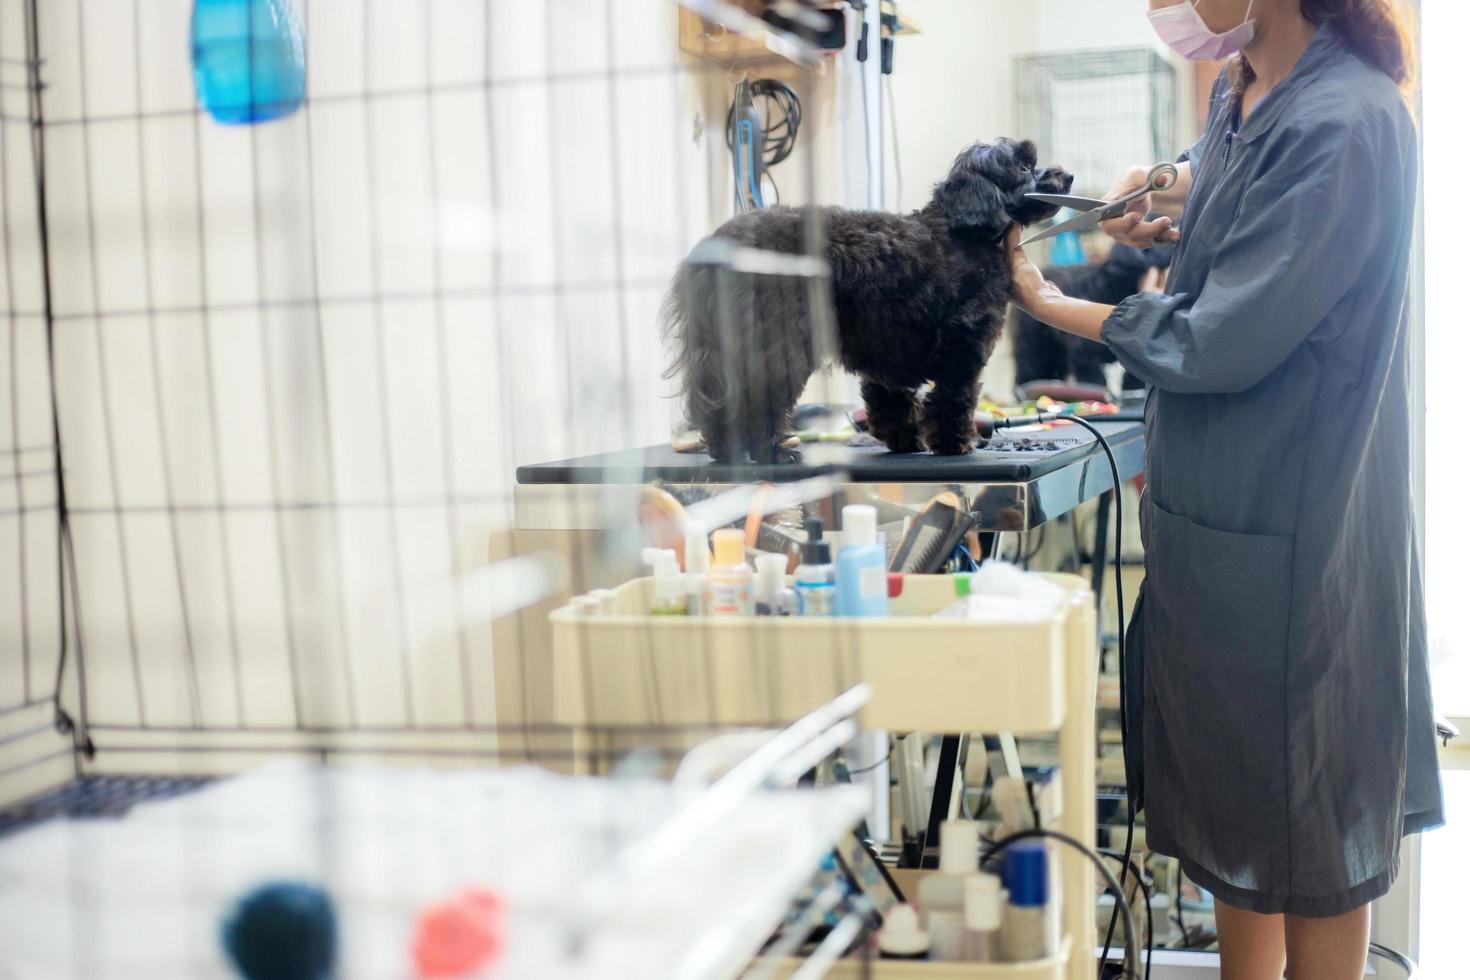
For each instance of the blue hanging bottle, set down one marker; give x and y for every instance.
(249, 59)
(1066, 248)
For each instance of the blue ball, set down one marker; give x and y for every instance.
(282, 930)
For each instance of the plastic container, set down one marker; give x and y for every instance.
(249, 59)
(862, 568)
(696, 564)
(668, 584)
(901, 938)
(942, 895)
(772, 595)
(982, 941)
(1030, 932)
(816, 576)
(729, 587)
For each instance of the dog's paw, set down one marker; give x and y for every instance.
(951, 447)
(904, 442)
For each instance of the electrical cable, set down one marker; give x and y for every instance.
(1130, 935)
(1002, 422)
(1144, 880)
(886, 756)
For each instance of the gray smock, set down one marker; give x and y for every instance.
(1281, 739)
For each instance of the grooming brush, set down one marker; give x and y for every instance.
(932, 536)
(662, 519)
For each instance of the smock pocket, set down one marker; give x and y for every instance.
(1214, 654)
(1218, 596)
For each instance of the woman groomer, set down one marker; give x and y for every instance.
(1281, 737)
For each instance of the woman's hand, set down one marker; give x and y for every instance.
(1044, 301)
(1131, 228)
(1029, 288)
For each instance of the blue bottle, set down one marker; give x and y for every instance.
(249, 59)
(862, 568)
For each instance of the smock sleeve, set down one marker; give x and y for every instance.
(1301, 236)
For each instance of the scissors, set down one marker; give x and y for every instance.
(1160, 178)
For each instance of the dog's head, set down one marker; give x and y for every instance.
(986, 189)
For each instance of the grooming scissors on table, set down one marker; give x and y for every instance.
(1094, 211)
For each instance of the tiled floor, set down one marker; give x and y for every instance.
(1446, 885)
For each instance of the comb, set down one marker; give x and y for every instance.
(932, 536)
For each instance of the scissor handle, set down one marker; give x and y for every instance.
(1162, 177)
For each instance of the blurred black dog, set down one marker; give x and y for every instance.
(920, 299)
(1054, 355)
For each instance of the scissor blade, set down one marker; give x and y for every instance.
(1079, 223)
(1068, 201)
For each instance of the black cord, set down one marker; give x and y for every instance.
(1140, 874)
(886, 756)
(1122, 646)
(782, 117)
(1130, 936)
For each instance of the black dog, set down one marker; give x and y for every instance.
(1053, 355)
(919, 298)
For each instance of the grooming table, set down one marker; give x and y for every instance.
(1021, 480)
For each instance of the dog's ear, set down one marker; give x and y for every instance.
(1026, 153)
(969, 200)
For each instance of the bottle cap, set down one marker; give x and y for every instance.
(1026, 873)
(961, 586)
(901, 935)
(959, 847)
(729, 547)
(982, 901)
(859, 525)
(770, 574)
(696, 546)
(817, 550)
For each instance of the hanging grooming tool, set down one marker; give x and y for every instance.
(747, 148)
(932, 536)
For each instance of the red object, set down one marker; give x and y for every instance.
(895, 584)
(460, 936)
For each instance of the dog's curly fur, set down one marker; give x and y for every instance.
(919, 299)
(1043, 353)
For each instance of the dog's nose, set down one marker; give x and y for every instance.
(1066, 182)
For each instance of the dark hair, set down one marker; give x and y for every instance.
(1380, 31)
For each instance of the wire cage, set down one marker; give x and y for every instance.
(1100, 110)
(270, 367)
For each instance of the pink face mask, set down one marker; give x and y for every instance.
(1183, 29)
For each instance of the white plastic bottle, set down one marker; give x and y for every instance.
(942, 894)
(983, 918)
(772, 595)
(696, 564)
(668, 584)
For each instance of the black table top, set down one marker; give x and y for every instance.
(1007, 459)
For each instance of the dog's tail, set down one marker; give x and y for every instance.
(694, 357)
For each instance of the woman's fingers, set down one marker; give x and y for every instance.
(1132, 229)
